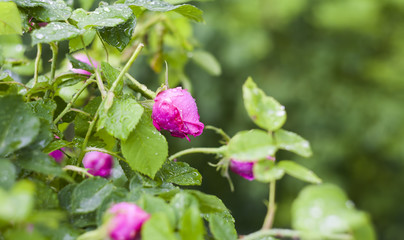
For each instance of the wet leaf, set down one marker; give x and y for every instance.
(55, 32)
(298, 171)
(120, 35)
(265, 111)
(222, 228)
(251, 145)
(146, 148)
(121, 118)
(8, 174)
(292, 142)
(158, 227)
(179, 173)
(18, 126)
(48, 10)
(267, 171)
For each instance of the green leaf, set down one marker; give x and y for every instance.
(79, 64)
(18, 126)
(81, 121)
(76, 43)
(158, 227)
(43, 109)
(145, 149)
(65, 196)
(55, 32)
(121, 118)
(208, 204)
(40, 162)
(55, 145)
(45, 196)
(222, 228)
(191, 225)
(179, 173)
(8, 174)
(89, 194)
(48, 10)
(265, 111)
(10, 21)
(251, 145)
(86, 4)
(104, 16)
(141, 184)
(120, 35)
(321, 211)
(186, 10)
(266, 171)
(292, 142)
(69, 79)
(116, 196)
(208, 62)
(155, 205)
(181, 202)
(111, 74)
(299, 172)
(18, 203)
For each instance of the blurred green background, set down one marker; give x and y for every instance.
(338, 67)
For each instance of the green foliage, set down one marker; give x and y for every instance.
(292, 142)
(298, 171)
(145, 149)
(18, 126)
(120, 35)
(251, 145)
(54, 32)
(10, 18)
(121, 118)
(265, 111)
(324, 210)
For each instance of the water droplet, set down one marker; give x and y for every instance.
(39, 36)
(107, 9)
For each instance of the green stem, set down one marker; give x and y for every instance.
(97, 73)
(54, 48)
(103, 45)
(219, 131)
(93, 149)
(37, 60)
(294, 234)
(18, 83)
(269, 218)
(77, 170)
(88, 134)
(196, 150)
(147, 93)
(75, 97)
(127, 66)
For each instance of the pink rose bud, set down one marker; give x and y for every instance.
(175, 111)
(98, 163)
(57, 155)
(245, 169)
(126, 222)
(83, 58)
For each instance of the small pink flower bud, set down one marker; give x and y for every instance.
(126, 222)
(175, 111)
(245, 169)
(98, 163)
(83, 58)
(57, 155)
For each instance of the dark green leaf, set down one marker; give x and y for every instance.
(49, 10)
(10, 21)
(145, 149)
(322, 211)
(292, 142)
(81, 121)
(222, 228)
(191, 225)
(55, 145)
(121, 118)
(18, 126)
(111, 75)
(265, 111)
(251, 145)
(179, 173)
(158, 227)
(43, 109)
(103, 16)
(186, 10)
(8, 174)
(208, 204)
(45, 196)
(266, 171)
(65, 196)
(89, 194)
(77, 44)
(79, 64)
(116, 196)
(55, 32)
(120, 35)
(298, 171)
